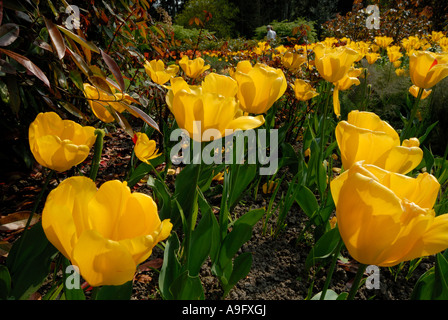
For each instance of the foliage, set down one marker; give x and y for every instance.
(45, 66)
(221, 11)
(299, 28)
(398, 19)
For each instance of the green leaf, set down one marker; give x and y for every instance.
(241, 268)
(201, 242)
(323, 248)
(14, 96)
(171, 267)
(429, 159)
(78, 39)
(123, 292)
(289, 158)
(5, 282)
(186, 287)
(185, 181)
(215, 241)
(240, 234)
(329, 295)
(30, 267)
(427, 132)
(306, 200)
(424, 287)
(76, 77)
(143, 169)
(440, 278)
(241, 176)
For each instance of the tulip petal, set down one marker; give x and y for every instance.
(246, 123)
(336, 103)
(434, 240)
(141, 247)
(139, 219)
(102, 261)
(368, 216)
(105, 209)
(358, 144)
(401, 159)
(59, 225)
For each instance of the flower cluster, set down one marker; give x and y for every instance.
(384, 216)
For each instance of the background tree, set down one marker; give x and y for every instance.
(173, 7)
(257, 13)
(222, 12)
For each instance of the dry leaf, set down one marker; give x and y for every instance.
(151, 264)
(16, 221)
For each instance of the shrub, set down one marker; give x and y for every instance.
(288, 29)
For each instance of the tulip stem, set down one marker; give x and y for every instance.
(324, 118)
(404, 133)
(97, 153)
(355, 286)
(331, 270)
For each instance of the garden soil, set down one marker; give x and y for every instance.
(278, 270)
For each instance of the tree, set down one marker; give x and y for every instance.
(222, 12)
(173, 7)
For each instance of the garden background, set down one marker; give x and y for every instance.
(235, 234)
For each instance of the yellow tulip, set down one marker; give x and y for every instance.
(59, 144)
(303, 90)
(100, 100)
(213, 105)
(269, 187)
(243, 66)
(436, 36)
(393, 55)
(385, 218)
(334, 63)
(107, 232)
(411, 43)
(259, 87)
(383, 42)
(281, 49)
(443, 42)
(158, 73)
(414, 91)
(425, 69)
(193, 68)
(374, 48)
(144, 148)
(333, 222)
(365, 137)
(372, 57)
(349, 79)
(397, 63)
(293, 61)
(400, 72)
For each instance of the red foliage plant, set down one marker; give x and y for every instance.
(398, 19)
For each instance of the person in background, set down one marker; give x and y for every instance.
(271, 34)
